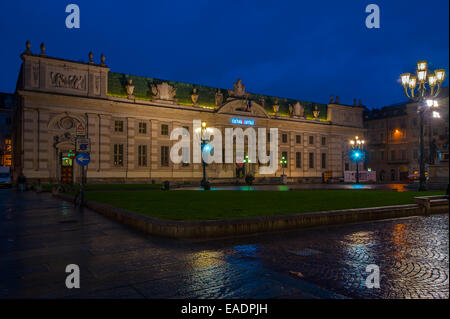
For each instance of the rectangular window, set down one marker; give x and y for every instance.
(311, 160)
(415, 154)
(311, 140)
(118, 154)
(142, 155)
(164, 129)
(324, 140)
(164, 155)
(403, 155)
(382, 155)
(284, 138)
(142, 128)
(298, 139)
(347, 166)
(118, 126)
(381, 137)
(324, 160)
(284, 159)
(298, 159)
(392, 155)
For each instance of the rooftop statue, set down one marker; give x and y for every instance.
(296, 110)
(239, 89)
(219, 98)
(130, 89)
(164, 91)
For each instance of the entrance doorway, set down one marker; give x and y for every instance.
(67, 167)
(403, 173)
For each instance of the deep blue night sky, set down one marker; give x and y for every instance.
(306, 50)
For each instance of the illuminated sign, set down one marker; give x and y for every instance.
(242, 122)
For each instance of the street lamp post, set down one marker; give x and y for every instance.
(357, 154)
(204, 182)
(424, 97)
(283, 163)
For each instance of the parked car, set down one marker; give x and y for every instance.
(5, 176)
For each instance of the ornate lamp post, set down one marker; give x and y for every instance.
(425, 98)
(204, 148)
(283, 163)
(357, 153)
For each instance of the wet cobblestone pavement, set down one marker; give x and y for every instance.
(40, 235)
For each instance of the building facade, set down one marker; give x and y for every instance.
(129, 119)
(6, 107)
(393, 139)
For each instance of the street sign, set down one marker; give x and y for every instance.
(81, 130)
(82, 159)
(83, 144)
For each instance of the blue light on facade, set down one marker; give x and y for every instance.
(242, 121)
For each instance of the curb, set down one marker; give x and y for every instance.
(246, 226)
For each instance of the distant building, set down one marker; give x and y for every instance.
(129, 118)
(393, 139)
(6, 106)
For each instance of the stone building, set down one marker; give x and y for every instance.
(6, 106)
(129, 119)
(393, 139)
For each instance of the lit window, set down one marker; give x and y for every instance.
(118, 154)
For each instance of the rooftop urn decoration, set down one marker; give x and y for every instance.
(42, 49)
(27, 46)
(276, 107)
(130, 89)
(316, 112)
(102, 60)
(219, 98)
(194, 96)
(331, 99)
(337, 100)
(91, 58)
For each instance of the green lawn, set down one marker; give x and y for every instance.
(211, 205)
